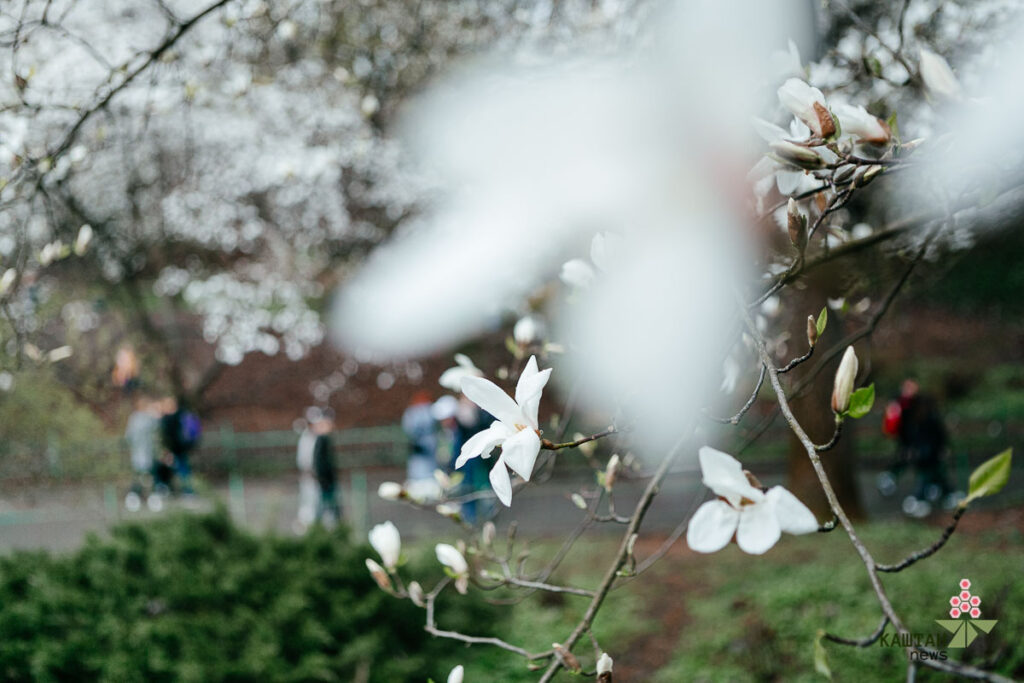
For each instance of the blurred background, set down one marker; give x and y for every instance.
(187, 189)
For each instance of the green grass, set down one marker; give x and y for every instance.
(756, 618)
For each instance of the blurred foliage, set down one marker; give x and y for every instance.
(44, 429)
(755, 619)
(193, 598)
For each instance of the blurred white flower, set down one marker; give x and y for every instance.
(730, 374)
(386, 540)
(456, 675)
(58, 354)
(937, 76)
(756, 518)
(7, 279)
(515, 429)
(84, 238)
(808, 104)
(390, 490)
(451, 378)
(787, 62)
(577, 273)
(416, 593)
(528, 330)
(450, 557)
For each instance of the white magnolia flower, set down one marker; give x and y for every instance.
(456, 675)
(60, 353)
(390, 490)
(787, 63)
(756, 518)
(807, 104)
(386, 540)
(846, 377)
(451, 378)
(83, 239)
(579, 273)
(449, 556)
(937, 76)
(7, 279)
(858, 123)
(604, 662)
(416, 593)
(515, 429)
(528, 329)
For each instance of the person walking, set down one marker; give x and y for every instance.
(180, 431)
(141, 435)
(325, 469)
(309, 489)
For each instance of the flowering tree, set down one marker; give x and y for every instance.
(597, 167)
(228, 158)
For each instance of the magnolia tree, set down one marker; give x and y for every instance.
(214, 164)
(697, 236)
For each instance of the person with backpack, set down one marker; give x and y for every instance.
(325, 469)
(180, 431)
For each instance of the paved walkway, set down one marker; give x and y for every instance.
(60, 517)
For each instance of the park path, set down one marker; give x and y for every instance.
(60, 517)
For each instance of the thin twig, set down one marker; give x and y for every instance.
(930, 550)
(859, 642)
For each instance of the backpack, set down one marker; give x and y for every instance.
(190, 430)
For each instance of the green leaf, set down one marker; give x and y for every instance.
(894, 127)
(822, 321)
(874, 65)
(821, 657)
(861, 402)
(990, 476)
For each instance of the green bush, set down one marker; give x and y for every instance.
(194, 598)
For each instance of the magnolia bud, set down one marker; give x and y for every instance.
(578, 501)
(798, 155)
(611, 471)
(7, 279)
(846, 375)
(456, 675)
(937, 76)
(83, 239)
(604, 668)
(416, 594)
(797, 224)
(379, 575)
(568, 658)
(390, 490)
(488, 533)
(449, 510)
(812, 331)
(865, 174)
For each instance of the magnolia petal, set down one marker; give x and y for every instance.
(769, 132)
(724, 475)
(465, 361)
(520, 452)
(528, 390)
(501, 482)
(462, 583)
(758, 529)
(788, 181)
(491, 398)
(793, 516)
(712, 526)
(482, 443)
